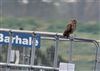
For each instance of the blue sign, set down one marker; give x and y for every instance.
(19, 39)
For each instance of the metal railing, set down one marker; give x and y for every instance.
(46, 36)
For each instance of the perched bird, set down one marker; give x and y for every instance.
(70, 28)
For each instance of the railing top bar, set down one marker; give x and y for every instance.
(84, 39)
(28, 66)
(25, 31)
(49, 34)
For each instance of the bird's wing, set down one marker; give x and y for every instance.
(67, 30)
(68, 27)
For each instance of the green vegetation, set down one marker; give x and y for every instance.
(83, 53)
(88, 29)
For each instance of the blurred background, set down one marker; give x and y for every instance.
(53, 16)
(42, 15)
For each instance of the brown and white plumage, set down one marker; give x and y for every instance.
(70, 28)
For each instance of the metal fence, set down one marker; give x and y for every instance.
(84, 53)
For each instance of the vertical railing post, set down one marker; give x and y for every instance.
(23, 55)
(70, 50)
(56, 51)
(9, 50)
(96, 56)
(33, 50)
(0, 49)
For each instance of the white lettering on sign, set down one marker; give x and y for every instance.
(1, 38)
(16, 39)
(36, 43)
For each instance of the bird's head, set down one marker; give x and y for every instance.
(74, 21)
